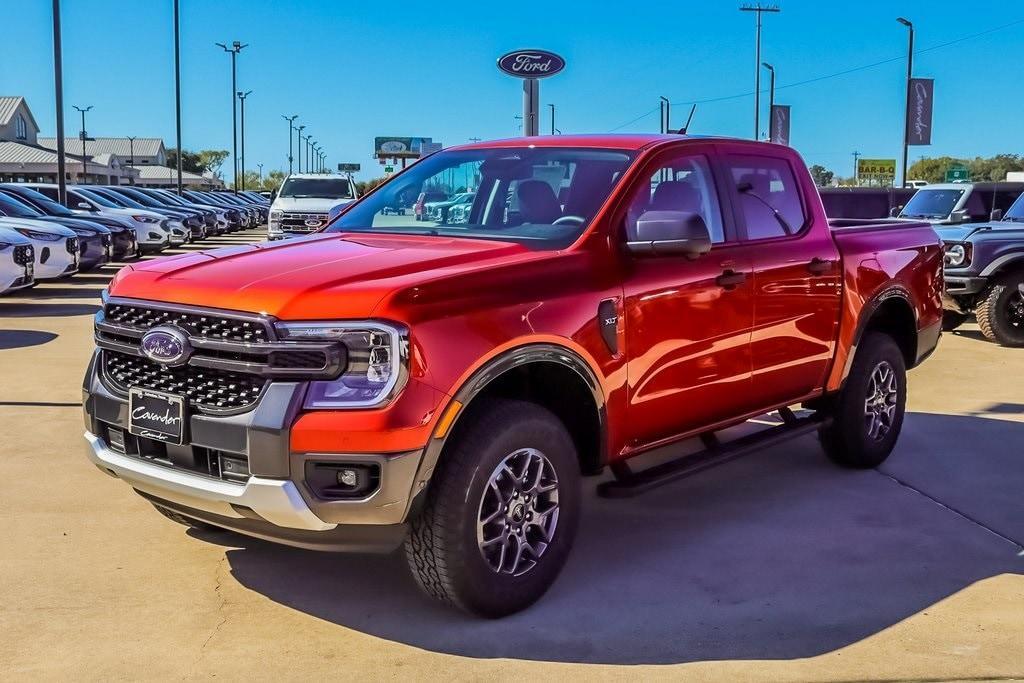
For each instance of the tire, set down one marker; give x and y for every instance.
(185, 521)
(952, 320)
(444, 548)
(857, 434)
(1001, 313)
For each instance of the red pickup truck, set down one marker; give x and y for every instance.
(394, 382)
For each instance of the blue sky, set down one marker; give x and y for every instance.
(354, 70)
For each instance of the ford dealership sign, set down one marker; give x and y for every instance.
(531, 63)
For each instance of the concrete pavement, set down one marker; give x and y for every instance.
(779, 566)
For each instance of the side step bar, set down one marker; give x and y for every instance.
(628, 483)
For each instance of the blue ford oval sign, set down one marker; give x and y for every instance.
(166, 345)
(531, 63)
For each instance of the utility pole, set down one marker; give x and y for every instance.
(301, 137)
(235, 48)
(666, 113)
(856, 168)
(552, 118)
(758, 9)
(58, 86)
(241, 103)
(910, 75)
(771, 101)
(85, 178)
(177, 87)
(260, 166)
(289, 119)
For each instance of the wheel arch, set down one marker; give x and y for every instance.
(1004, 265)
(892, 312)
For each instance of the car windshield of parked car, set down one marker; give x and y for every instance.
(50, 207)
(1016, 211)
(931, 203)
(111, 201)
(10, 206)
(540, 197)
(321, 188)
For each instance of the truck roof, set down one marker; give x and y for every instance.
(625, 141)
(329, 176)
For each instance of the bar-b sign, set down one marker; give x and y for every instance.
(779, 132)
(919, 111)
(876, 169)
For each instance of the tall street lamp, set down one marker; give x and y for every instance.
(235, 48)
(771, 100)
(910, 74)
(241, 105)
(289, 119)
(260, 166)
(177, 89)
(552, 118)
(58, 87)
(313, 160)
(300, 138)
(309, 151)
(131, 158)
(85, 178)
(666, 113)
(759, 9)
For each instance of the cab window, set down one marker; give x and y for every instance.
(768, 196)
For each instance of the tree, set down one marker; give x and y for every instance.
(822, 176)
(364, 186)
(190, 161)
(980, 168)
(270, 180)
(212, 159)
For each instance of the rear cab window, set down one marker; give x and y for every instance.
(768, 198)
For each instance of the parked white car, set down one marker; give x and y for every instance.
(152, 230)
(307, 201)
(56, 247)
(17, 261)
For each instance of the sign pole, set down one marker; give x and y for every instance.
(531, 66)
(531, 106)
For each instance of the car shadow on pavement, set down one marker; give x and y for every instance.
(17, 339)
(46, 310)
(779, 555)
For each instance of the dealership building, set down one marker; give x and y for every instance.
(27, 157)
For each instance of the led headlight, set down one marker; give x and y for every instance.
(146, 219)
(37, 235)
(378, 361)
(956, 255)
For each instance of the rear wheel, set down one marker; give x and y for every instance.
(501, 512)
(1001, 313)
(867, 415)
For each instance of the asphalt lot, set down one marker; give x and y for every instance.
(778, 566)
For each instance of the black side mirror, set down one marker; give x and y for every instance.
(85, 205)
(895, 211)
(996, 215)
(273, 194)
(669, 233)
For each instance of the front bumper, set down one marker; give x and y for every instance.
(960, 288)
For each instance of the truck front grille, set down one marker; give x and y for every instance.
(206, 326)
(296, 222)
(205, 388)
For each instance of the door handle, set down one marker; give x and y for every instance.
(729, 279)
(819, 266)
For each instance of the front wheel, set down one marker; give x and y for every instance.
(1001, 313)
(501, 512)
(867, 415)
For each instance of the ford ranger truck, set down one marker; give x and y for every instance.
(392, 383)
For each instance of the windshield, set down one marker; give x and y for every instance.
(931, 203)
(39, 199)
(322, 188)
(9, 206)
(105, 200)
(1016, 211)
(540, 197)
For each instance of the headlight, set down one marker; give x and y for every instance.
(36, 235)
(956, 255)
(146, 219)
(276, 215)
(4, 245)
(377, 368)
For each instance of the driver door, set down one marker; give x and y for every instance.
(688, 328)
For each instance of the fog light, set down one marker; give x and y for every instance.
(348, 477)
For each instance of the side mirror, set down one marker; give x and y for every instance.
(996, 215)
(895, 211)
(84, 205)
(960, 216)
(669, 233)
(273, 194)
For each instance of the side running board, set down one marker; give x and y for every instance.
(628, 483)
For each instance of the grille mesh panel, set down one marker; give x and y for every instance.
(208, 326)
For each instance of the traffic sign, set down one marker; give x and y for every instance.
(957, 174)
(389, 169)
(881, 170)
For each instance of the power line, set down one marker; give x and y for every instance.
(833, 75)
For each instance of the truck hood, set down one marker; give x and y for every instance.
(963, 232)
(318, 204)
(321, 277)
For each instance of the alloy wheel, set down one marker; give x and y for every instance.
(880, 402)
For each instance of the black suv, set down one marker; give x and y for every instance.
(984, 275)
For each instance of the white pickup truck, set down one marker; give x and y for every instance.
(305, 203)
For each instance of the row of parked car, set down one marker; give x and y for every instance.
(42, 239)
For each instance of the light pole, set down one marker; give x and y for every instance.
(58, 88)
(771, 100)
(666, 113)
(301, 137)
(235, 48)
(309, 151)
(85, 178)
(910, 74)
(289, 119)
(131, 158)
(260, 166)
(856, 168)
(323, 162)
(552, 118)
(241, 105)
(759, 9)
(177, 89)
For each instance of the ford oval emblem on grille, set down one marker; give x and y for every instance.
(312, 222)
(166, 345)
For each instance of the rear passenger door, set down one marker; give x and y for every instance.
(796, 278)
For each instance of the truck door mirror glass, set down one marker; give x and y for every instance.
(84, 205)
(996, 215)
(895, 211)
(665, 233)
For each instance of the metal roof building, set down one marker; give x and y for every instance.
(144, 151)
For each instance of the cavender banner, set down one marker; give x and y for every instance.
(779, 132)
(919, 111)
